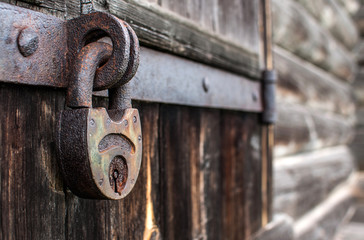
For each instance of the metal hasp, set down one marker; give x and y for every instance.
(37, 48)
(269, 79)
(100, 150)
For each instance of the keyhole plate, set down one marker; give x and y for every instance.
(124, 156)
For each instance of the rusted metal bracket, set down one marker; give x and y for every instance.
(38, 49)
(269, 79)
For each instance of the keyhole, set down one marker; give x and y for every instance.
(115, 177)
(118, 174)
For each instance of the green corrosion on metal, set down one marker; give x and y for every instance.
(109, 135)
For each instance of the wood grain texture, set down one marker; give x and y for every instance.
(190, 165)
(323, 221)
(296, 30)
(162, 29)
(232, 19)
(300, 82)
(31, 200)
(301, 129)
(333, 17)
(241, 166)
(281, 227)
(357, 144)
(351, 6)
(302, 181)
(359, 20)
(212, 188)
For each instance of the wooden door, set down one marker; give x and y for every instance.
(201, 174)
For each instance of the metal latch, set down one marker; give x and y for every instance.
(99, 149)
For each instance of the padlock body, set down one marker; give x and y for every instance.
(100, 151)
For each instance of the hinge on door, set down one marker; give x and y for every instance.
(269, 79)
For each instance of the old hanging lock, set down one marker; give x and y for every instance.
(100, 149)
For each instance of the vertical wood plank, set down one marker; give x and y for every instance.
(32, 201)
(241, 166)
(236, 20)
(179, 141)
(190, 163)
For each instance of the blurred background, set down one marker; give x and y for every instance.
(319, 149)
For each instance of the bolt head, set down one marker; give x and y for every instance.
(255, 96)
(205, 84)
(28, 42)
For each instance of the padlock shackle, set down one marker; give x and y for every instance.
(87, 63)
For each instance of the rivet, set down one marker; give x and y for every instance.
(92, 122)
(254, 96)
(205, 84)
(28, 42)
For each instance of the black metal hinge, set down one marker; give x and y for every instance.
(269, 79)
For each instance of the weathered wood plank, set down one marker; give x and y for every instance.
(303, 181)
(281, 227)
(190, 167)
(323, 221)
(241, 176)
(300, 129)
(296, 30)
(302, 83)
(359, 19)
(234, 19)
(137, 215)
(357, 144)
(156, 27)
(334, 18)
(207, 190)
(32, 203)
(351, 6)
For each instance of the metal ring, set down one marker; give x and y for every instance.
(82, 77)
(114, 70)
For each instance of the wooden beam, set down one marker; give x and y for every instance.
(301, 129)
(323, 221)
(334, 18)
(303, 181)
(359, 19)
(164, 30)
(351, 6)
(281, 227)
(297, 31)
(303, 83)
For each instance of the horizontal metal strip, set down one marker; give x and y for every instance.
(167, 78)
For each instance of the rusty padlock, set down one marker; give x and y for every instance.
(99, 150)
